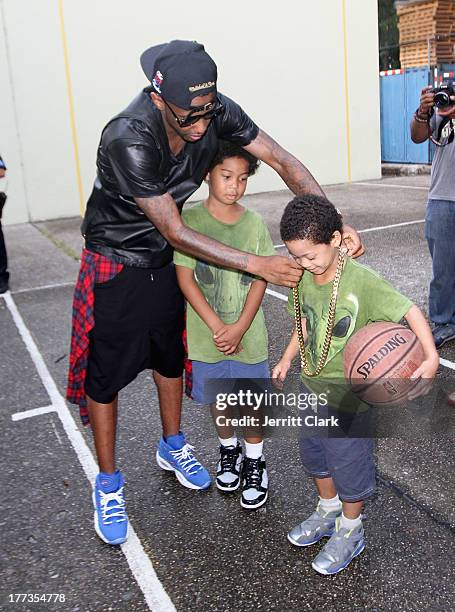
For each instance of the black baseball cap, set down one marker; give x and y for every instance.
(180, 70)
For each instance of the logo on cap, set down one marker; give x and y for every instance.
(194, 88)
(157, 81)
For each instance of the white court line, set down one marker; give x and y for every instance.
(57, 435)
(54, 286)
(382, 227)
(444, 362)
(276, 294)
(374, 229)
(26, 414)
(156, 597)
(447, 363)
(392, 186)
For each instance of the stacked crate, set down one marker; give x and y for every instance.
(423, 20)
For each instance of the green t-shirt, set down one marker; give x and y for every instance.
(363, 297)
(225, 290)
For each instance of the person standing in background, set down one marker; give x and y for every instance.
(4, 274)
(438, 124)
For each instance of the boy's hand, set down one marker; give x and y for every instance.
(428, 368)
(227, 338)
(280, 372)
(426, 372)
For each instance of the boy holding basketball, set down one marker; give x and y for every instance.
(337, 297)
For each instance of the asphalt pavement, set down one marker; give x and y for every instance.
(200, 551)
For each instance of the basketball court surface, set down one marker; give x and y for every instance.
(201, 551)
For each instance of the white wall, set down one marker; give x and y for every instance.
(283, 62)
(9, 140)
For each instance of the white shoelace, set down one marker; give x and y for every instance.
(110, 510)
(186, 459)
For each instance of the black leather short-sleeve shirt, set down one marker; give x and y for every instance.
(134, 160)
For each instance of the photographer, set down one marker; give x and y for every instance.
(4, 274)
(435, 119)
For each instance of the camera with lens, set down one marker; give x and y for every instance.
(442, 94)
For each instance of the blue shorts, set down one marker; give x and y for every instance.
(336, 452)
(349, 461)
(225, 369)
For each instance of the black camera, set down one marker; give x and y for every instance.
(442, 94)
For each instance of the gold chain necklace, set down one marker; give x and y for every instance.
(330, 321)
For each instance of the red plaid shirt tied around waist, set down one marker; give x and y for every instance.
(94, 269)
(188, 366)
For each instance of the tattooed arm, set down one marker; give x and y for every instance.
(294, 174)
(162, 211)
(298, 178)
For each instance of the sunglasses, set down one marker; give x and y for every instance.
(212, 110)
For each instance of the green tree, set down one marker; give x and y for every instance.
(389, 50)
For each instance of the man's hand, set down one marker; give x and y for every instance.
(2, 172)
(278, 270)
(448, 111)
(420, 129)
(426, 100)
(352, 241)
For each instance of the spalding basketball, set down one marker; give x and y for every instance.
(379, 360)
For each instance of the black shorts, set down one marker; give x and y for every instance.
(139, 318)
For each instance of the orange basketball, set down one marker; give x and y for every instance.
(379, 360)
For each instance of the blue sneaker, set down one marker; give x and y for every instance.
(111, 521)
(175, 455)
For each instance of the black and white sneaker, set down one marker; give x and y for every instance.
(255, 483)
(228, 468)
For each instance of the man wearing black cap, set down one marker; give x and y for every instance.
(128, 310)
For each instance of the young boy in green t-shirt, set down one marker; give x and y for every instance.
(226, 332)
(342, 468)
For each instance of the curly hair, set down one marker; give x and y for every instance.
(229, 149)
(310, 217)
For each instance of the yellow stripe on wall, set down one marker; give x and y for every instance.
(346, 93)
(69, 90)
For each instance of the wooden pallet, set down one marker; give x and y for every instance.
(420, 20)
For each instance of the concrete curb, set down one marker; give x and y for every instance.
(405, 169)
